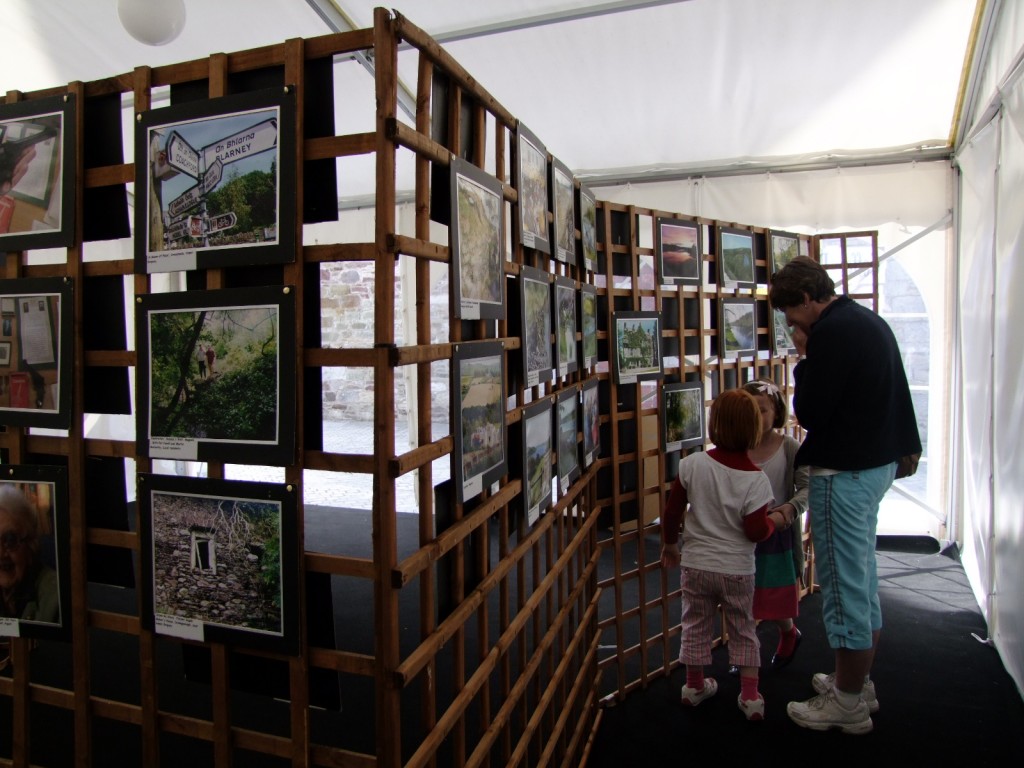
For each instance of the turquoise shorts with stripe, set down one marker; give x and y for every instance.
(844, 518)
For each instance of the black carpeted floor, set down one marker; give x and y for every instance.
(945, 697)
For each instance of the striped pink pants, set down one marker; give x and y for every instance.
(703, 592)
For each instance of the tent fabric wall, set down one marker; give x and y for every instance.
(1007, 406)
(991, 236)
(976, 287)
(911, 194)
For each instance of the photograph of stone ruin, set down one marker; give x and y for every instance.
(217, 560)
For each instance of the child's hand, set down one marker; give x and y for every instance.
(670, 555)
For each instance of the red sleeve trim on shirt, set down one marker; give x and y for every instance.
(673, 514)
(757, 525)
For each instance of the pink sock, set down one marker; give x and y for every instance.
(748, 688)
(695, 678)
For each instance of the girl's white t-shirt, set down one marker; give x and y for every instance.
(719, 498)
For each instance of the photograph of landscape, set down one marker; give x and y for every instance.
(739, 327)
(683, 415)
(565, 216)
(537, 427)
(736, 258)
(678, 250)
(479, 414)
(538, 357)
(477, 244)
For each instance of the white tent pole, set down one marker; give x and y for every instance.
(945, 221)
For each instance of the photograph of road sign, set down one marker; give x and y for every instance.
(220, 181)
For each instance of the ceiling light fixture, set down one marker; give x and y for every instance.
(152, 22)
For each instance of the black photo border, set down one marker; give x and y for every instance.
(742, 281)
(586, 210)
(280, 251)
(723, 351)
(535, 376)
(537, 240)
(278, 452)
(676, 390)
(648, 374)
(773, 254)
(462, 354)
(286, 641)
(63, 235)
(659, 249)
(567, 398)
(590, 420)
(63, 329)
(570, 364)
(470, 309)
(543, 409)
(566, 253)
(57, 477)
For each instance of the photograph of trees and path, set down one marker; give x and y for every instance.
(214, 373)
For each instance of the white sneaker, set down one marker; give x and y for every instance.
(754, 710)
(824, 712)
(823, 682)
(691, 697)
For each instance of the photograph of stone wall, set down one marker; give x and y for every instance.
(217, 560)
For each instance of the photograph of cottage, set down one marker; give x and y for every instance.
(216, 560)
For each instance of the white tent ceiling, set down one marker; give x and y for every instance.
(616, 90)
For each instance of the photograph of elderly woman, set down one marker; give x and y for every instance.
(29, 586)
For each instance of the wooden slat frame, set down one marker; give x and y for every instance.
(556, 607)
(526, 692)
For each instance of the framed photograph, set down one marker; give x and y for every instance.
(738, 328)
(35, 380)
(588, 323)
(736, 258)
(538, 452)
(637, 346)
(477, 244)
(37, 173)
(215, 183)
(591, 422)
(478, 408)
(588, 228)
(783, 247)
(678, 251)
(216, 375)
(220, 561)
(782, 335)
(566, 352)
(35, 578)
(563, 209)
(567, 415)
(538, 357)
(531, 175)
(682, 414)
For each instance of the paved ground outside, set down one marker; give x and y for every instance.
(344, 489)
